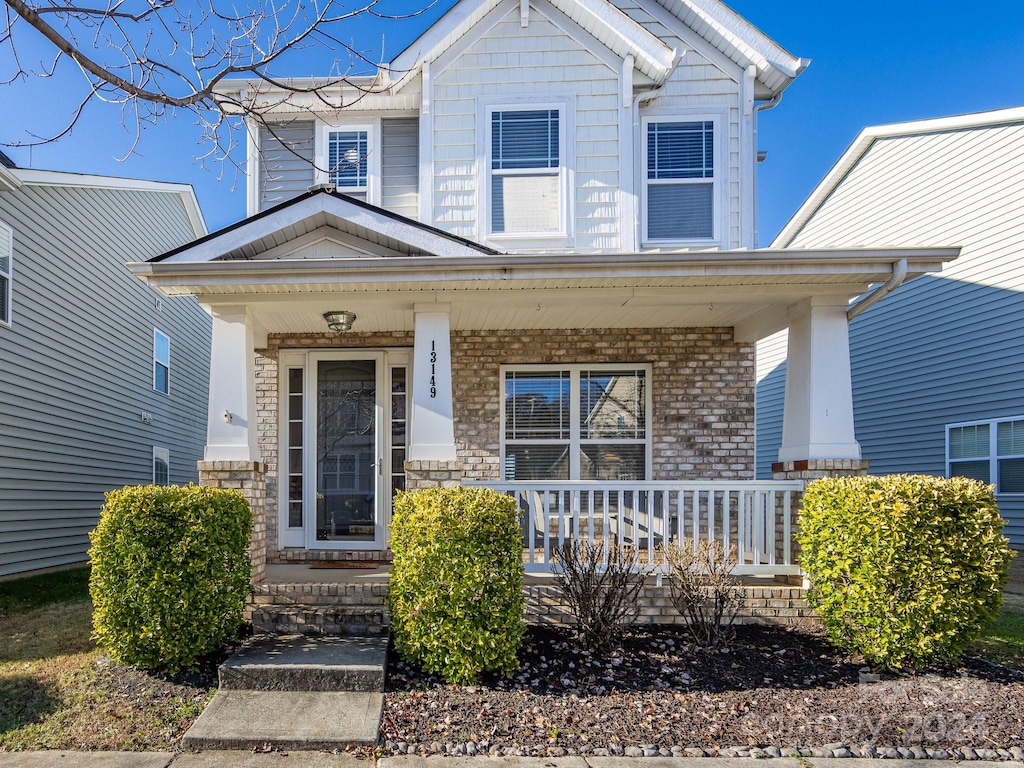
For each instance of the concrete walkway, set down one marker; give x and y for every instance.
(226, 759)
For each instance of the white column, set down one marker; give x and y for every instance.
(817, 421)
(231, 433)
(432, 429)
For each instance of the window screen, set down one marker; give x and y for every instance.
(525, 161)
(680, 187)
(161, 466)
(346, 159)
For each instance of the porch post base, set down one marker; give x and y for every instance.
(812, 469)
(249, 477)
(420, 474)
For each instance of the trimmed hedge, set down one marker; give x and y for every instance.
(456, 590)
(904, 569)
(170, 573)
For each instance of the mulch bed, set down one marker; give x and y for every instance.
(774, 692)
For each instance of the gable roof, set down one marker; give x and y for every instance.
(379, 232)
(720, 26)
(613, 28)
(863, 143)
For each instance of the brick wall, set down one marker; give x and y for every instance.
(702, 391)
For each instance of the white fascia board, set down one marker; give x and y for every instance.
(857, 263)
(8, 180)
(63, 179)
(744, 43)
(654, 57)
(869, 136)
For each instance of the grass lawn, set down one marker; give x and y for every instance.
(58, 691)
(1004, 643)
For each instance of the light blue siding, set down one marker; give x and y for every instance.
(77, 371)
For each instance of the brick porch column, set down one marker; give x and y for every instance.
(249, 477)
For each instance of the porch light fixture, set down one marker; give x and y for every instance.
(339, 322)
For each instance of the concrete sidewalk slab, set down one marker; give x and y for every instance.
(287, 720)
(299, 663)
(232, 759)
(67, 759)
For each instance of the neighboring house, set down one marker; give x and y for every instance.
(529, 266)
(938, 367)
(104, 380)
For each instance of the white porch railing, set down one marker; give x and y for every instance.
(753, 519)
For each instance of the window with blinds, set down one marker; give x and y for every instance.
(680, 180)
(347, 153)
(576, 423)
(525, 171)
(991, 451)
(6, 281)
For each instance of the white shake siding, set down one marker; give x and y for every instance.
(945, 348)
(545, 61)
(77, 365)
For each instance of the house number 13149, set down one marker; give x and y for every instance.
(433, 369)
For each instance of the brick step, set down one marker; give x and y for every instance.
(302, 663)
(357, 621)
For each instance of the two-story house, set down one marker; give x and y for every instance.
(103, 379)
(523, 256)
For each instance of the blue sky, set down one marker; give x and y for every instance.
(874, 62)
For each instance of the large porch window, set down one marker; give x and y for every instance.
(576, 422)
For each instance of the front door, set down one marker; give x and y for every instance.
(343, 449)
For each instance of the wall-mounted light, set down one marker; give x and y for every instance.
(228, 417)
(339, 322)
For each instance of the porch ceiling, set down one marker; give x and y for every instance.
(747, 290)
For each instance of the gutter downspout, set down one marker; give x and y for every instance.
(650, 93)
(899, 274)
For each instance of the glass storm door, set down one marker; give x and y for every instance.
(345, 460)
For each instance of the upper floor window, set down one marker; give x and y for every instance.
(6, 272)
(990, 451)
(348, 156)
(161, 362)
(679, 180)
(526, 161)
(576, 422)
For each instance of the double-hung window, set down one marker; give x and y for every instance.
(348, 157)
(161, 362)
(576, 422)
(6, 272)
(161, 466)
(990, 451)
(679, 180)
(525, 162)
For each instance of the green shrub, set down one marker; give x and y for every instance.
(904, 569)
(456, 591)
(170, 573)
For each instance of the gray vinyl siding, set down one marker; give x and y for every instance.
(944, 348)
(400, 161)
(286, 162)
(77, 367)
(771, 394)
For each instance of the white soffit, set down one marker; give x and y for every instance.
(863, 143)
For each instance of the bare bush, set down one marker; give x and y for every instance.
(703, 589)
(601, 583)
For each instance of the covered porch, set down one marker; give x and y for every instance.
(611, 394)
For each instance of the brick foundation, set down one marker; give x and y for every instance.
(432, 474)
(813, 469)
(249, 477)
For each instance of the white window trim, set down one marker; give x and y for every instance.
(157, 333)
(7, 234)
(719, 187)
(374, 169)
(566, 166)
(165, 454)
(993, 449)
(574, 441)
